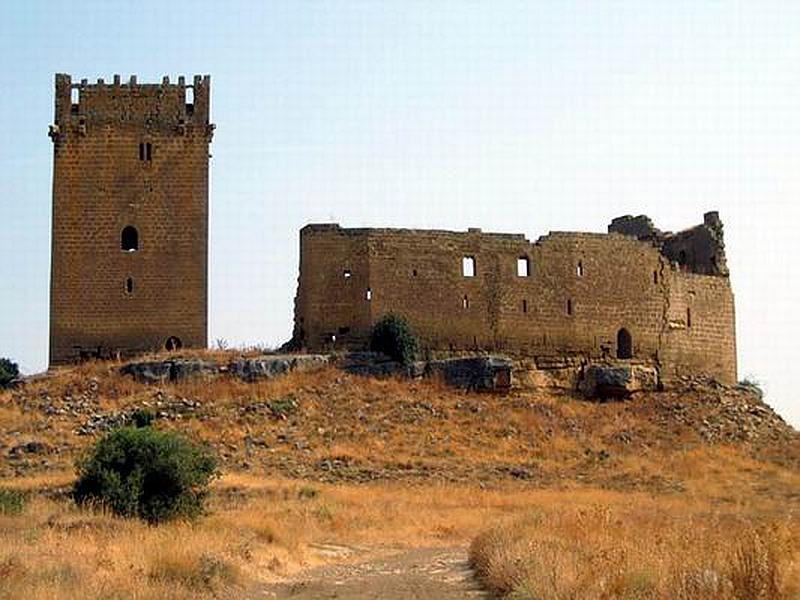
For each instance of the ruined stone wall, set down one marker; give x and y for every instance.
(580, 290)
(700, 335)
(129, 155)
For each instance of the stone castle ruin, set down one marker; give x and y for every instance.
(130, 270)
(635, 293)
(130, 217)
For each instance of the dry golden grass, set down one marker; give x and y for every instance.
(574, 499)
(640, 549)
(572, 543)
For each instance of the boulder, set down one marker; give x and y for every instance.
(483, 373)
(615, 381)
(160, 371)
(269, 366)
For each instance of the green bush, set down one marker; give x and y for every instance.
(393, 336)
(146, 473)
(142, 417)
(11, 502)
(9, 371)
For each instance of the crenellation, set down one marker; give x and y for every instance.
(121, 162)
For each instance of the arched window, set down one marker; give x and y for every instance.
(173, 343)
(624, 344)
(130, 239)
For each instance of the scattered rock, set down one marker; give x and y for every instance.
(169, 370)
(611, 381)
(267, 367)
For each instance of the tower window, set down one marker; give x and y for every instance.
(130, 239)
(189, 100)
(569, 306)
(523, 266)
(75, 99)
(145, 151)
(524, 306)
(468, 266)
(579, 269)
(369, 294)
(465, 302)
(689, 318)
(655, 277)
(129, 285)
(347, 274)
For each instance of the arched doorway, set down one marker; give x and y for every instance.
(624, 344)
(173, 343)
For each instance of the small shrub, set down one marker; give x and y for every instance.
(9, 371)
(393, 336)
(146, 473)
(11, 502)
(142, 417)
(282, 407)
(753, 386)
(307, 493)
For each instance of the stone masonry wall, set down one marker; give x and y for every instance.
(129, 155)
(580, 290)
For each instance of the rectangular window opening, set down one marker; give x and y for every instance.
(689, 318)
(579, 269)
(347, 274)
(369, 294)
(75, 99)
(189, 100)
(141, 151)
(655, 277)
(523, 266)
(524, 306)
(465, 302)
(149, 151)
(569, 307)
(468, 266)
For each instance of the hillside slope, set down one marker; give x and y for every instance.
(328, 467)
(331, 426)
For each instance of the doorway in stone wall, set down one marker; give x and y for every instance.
(173, 343)
(624, 344)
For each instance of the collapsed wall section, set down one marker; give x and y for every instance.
(567, 294)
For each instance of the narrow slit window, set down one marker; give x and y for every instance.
(141, 151)
(523, 266)
(468, 266)
(579, 269)
(75, 99)
(655, 277)
(524, 306)
(148, 151)
(347, 274)
(465, 301)
(569, 307)
(189, 99)
(369, 294)
(129, 285)
(689, 318)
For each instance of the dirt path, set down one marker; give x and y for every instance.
(420, 574)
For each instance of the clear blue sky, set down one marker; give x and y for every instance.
(510, 116)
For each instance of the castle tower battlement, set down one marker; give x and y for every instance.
(130, 216)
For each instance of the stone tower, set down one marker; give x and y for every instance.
(130, 217)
